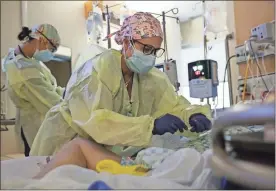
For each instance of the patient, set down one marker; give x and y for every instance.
(80, 152)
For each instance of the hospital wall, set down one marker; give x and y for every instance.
(258, 12)
(239, 23)
(10, 26)
(66, 16)
(192, 31)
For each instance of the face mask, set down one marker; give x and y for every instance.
(139, 62)
(43, 55)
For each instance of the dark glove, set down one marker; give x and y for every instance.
(199, 123)
(168, 123)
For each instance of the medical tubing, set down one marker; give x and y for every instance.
(258, 66)
(269, 92)
(224, 78)
(245, 79)
(255, 81)
(264, 67)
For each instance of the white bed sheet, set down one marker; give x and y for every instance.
(184, 169)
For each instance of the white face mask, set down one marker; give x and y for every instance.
(139, 62)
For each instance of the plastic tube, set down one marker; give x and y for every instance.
(245, 80)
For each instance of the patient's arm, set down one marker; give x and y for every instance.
(79, 152)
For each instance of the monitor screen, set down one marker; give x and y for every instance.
(200, 69)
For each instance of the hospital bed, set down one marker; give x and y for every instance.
(248, 159)
(184, 169)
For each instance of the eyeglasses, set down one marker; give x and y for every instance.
(54, 48)
(148, 49)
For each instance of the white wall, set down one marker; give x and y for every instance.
(66, 16)
(10, 27)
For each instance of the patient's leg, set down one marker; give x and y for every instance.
(79, 152)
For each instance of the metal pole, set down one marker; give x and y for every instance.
(165, 38)
(229, 37)
(108, 26)
(204, 36)
(205, 40)
(162, 15)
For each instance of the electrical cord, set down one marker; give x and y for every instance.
(245, 79)
(256, 85)
(224, 78)
(268, 92)
(258, 66)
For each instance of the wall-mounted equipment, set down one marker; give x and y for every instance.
(170, 69)
(265, 31)
(255, 47)
(203, 79)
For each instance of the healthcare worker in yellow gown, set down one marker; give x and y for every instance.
(119, 99)
(31, 86)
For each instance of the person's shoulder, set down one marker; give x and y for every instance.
(107, 60)
(25, 63)
(18, 62)
(108, 68)
(157, 75)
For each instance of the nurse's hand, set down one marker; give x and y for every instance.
(168, 123)
(200, 123)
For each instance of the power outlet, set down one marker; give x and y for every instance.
(265, 31)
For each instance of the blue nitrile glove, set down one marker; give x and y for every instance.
(199, 123)
(168, 123)
(99, 185)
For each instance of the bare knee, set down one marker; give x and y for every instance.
(78, 141)
(73, 145)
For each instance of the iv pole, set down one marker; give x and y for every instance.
(108, 26)
(108, 22)
(204, 42)
(164, 28)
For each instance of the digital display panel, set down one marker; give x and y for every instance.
(200, 69)
(198, 72)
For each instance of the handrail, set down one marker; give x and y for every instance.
(250, 174)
